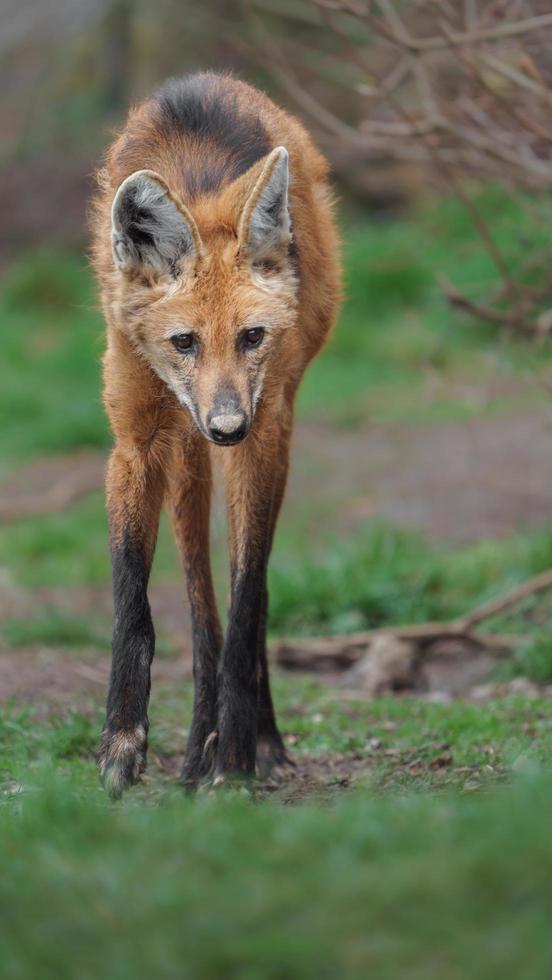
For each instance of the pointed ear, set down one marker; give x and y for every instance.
(150, 229)
(264, 229)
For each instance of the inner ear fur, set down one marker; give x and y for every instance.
(151, 229)
(264, 228)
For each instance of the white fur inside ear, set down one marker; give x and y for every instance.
(270, 225)
(148, 230)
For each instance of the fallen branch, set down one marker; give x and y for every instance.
(487, 610)
(342, 651)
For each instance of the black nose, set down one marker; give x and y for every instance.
(226, 430)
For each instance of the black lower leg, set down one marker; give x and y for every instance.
(270, 746)
(124, 739)
(200, 748)
(238, 681)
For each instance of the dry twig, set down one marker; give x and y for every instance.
(444, 86)
(340, 652)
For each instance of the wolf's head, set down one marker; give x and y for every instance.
(208, 310)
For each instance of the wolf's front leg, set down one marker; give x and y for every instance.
(250, 473)
(272, 757)
(190, 500)
(135, 487)
(238, 689)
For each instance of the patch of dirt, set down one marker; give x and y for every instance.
(450, 669)
(51, 484)
(314, 777)
(453, 671)
(321, 778)
(461, 481)
(52, 680)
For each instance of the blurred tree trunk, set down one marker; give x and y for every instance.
(117, 48)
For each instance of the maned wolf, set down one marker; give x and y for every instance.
(220, 281)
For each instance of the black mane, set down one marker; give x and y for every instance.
(205, 106)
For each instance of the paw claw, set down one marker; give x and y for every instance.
(115, 779)
(122, 759)
(210, 745)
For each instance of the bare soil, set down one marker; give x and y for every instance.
(462, 481)
(50, 484)
(50, 680)
(459, 481)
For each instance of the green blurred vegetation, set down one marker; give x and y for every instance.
(390, 577)
(402, 885)
(397, 333)
(51, 628)
(49, 374)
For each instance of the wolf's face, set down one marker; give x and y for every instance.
(210, 315)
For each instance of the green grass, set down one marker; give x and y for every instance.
(386, 576)
(403, 743)
(415, 889)
(384, 880)
(49, 627)
(61, 549)
(410, 889)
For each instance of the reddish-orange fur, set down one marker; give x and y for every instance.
(160, 453)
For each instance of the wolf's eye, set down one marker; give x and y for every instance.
(183, 342)
(253, 337)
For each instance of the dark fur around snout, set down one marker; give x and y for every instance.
(227, 422)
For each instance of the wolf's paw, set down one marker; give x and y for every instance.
(122, 758)
(229, 786)
(272, 759)
(199, 761)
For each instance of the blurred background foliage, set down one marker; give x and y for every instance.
(405, 99)
(70, 69)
